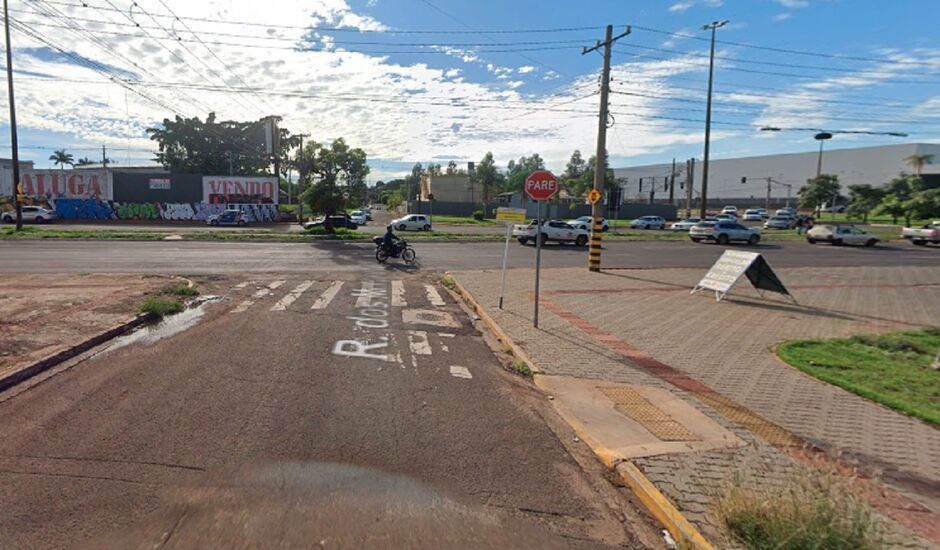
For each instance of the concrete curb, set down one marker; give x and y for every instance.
(652, 499)
(42, 365)
(501, 335)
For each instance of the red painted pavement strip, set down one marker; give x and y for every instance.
(900, 508)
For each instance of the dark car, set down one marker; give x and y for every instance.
(338, 222)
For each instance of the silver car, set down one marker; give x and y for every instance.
(36, 214)
(724, 233)
(685, 225)
(780, 222)
(648, 222)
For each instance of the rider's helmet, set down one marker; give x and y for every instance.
(388, 228)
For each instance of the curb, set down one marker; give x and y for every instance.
(501, 335)
(652, 499)
(42, 365)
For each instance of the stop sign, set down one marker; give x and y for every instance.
(541, 185)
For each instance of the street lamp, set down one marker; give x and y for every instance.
(713, 26)
(821, 137)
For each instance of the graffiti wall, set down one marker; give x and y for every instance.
(91, 209)
(60, 184)
(239, 190)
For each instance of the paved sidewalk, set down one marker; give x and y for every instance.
(643, 327)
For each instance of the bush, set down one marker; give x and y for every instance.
(478, 215)
(181, 289)
(161, 307)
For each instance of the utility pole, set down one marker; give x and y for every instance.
(600, 157)
(104, 156)
(672, 183)
(300, 176)
(689, 184)
(13, 144)
(767, 202)
(715, 25)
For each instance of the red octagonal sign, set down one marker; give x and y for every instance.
(541, 185)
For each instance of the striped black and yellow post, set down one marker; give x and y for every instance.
(594, 253)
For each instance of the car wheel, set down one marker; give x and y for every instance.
(837, 242)
(39, 219)
(695, 240)
(241, 223)
(214, 222)
(811, 241)
(426, 227)
(918, 243)
(522, 240)
(402, 227)
(580, 241)
(8, 219)
(870, 242)
(722, 239)
(605, 229)
(753, 239)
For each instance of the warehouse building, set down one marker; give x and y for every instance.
(745, 181)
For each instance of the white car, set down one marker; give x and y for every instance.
(838, 234)
(685, 225)
(552, 230)
(648, 222)
(358, 217)
(754, 215)
(730, 210)
(786, 211)
(36, 214)
(587, 222)
(727, 217)
(412, 222)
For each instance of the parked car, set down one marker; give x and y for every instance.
(552, 230)
(730, 210)
(754, 215)
(358, 217)
(338, 221)
(786, 211)
(726, 217)
(412, 222)
(368, 213)
(231, 216)
(780, 222)
(36, 214)
(724, 233)
(648, 222)
(586, 223)
(839, 234)
(837, 209)
(685, 225)
(929, 233)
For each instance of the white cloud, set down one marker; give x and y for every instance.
(683, 5)
(782, 16)
(793, 4)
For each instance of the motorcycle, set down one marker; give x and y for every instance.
(400, 249)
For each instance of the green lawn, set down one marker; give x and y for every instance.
(893, 369)
(467, 220)
(872, 219)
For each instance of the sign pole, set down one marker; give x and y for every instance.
(538, 263)
(502, 282)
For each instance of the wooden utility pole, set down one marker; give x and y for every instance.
(715, 25)
(689, 185)
(600, 157)
(13, 143)
(104, 156)
(672, 183)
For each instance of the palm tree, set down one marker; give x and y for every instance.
(62, 158)
(917, 162)
(85, 161)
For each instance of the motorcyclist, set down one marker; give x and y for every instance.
(390, 241)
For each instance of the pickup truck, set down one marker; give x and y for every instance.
(929, 233)
(552, 230)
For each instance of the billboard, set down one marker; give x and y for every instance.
(239, 189)
(60, 184)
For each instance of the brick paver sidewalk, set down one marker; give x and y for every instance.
(643, 327)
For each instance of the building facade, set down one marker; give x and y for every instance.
(746, 179)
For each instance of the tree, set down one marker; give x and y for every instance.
(575, 167)
(488, 177)
(329, 172)
(191, 146)
(863, 198)
(899, 193)
(923, 204)
(61, 158)
(517, 172)
(84, 161)
(917, 162)
(451, 168)
(819, 191)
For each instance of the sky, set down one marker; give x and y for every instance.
(438, 80)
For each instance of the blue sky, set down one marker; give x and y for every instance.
(476, 78)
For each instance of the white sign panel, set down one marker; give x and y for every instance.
(162, 184)
(726, 271)
(239, 190)
(60, 184)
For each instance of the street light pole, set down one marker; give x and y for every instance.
(821, 137)
(13, 142)
(715, 25)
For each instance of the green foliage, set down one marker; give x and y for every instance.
(393, 200)
(521, 367)
(488, 177)
(325, 169)
(807, 512)
(181, 289)
(863, 199)
(905, 196)
(819, 191)
(161, 306)
(893, 369)
(478, 215)
(517, 172)
(191, 146)
(60, 158)
(449, 282)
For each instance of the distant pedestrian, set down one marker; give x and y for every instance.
(799, 226)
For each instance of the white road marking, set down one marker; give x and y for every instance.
(429, 317)
(398, 294)
(291, 296)
(367, 292)
(261, 293)
(243, 306)
(433, 296)
(328, 295)
(242, 284)
(460, 372)
(275, 284)
(446, 334)
(418, 342)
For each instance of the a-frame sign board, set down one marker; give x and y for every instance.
(732, 265)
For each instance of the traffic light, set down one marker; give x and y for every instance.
(743, 180)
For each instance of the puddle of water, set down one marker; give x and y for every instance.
(166, 327)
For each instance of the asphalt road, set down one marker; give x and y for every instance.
(183, 257)
(339, 411)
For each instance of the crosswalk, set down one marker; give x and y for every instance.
(281, 295)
